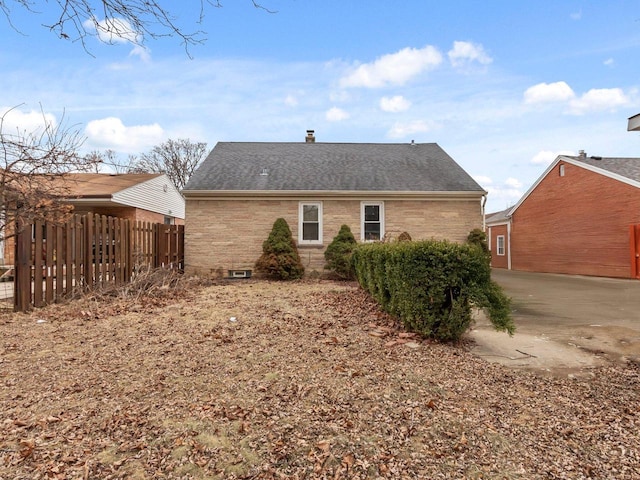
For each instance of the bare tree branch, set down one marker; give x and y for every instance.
(176, 158)
(117, 20)
(32, 167)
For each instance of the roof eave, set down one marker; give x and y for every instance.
(634, 123)
(216, 194)
(577, 163)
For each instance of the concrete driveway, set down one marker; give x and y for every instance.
(565, 323)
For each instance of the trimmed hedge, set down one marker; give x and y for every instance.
(431, 286)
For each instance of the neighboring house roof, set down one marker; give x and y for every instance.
(623, 169)
(330, 167)
(496, 218)
(634, 123)
(147, 191)
(83, 185)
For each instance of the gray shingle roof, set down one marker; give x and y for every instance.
(500, 216)
(369, 167)
(625, 167)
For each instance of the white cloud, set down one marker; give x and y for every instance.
(483, 180)
(465, 53)
(598, 99)
(16, 121)
(545, 157)
(393, 69)
(142, 52)
(506, 193)
(291, 101)
(339, 96)
(513, 182)
(504, 196)
(113, 30)
(119, 30)
(576, 15)
(548, 93)
(336, 114)
(111, 133)
(394, 104)
(609, 62)
(401, 130)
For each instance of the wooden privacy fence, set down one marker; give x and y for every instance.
(90, 251)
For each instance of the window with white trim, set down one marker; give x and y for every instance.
(500, 245)
(310, 223)
(372, 221)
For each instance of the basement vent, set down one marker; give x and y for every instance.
(239, 273)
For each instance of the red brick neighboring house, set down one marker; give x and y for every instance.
(582, 217)
(498, 229)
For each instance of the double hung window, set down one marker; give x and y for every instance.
(310, 223)
(500, 245)
(372, 221)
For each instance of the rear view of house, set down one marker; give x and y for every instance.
(582, 216)
(378, 190)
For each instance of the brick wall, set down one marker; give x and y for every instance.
(228, 234)
(498, 261)
(575, 224)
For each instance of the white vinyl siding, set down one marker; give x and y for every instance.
(157, 195)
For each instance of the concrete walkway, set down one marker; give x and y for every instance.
(565, 323)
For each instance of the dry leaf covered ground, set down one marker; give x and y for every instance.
(289, 380)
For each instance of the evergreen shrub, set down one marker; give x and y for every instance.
(338, 254)
(280, 259)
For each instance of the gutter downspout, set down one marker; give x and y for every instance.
(509, 244)
(483, 202)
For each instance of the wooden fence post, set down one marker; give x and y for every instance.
(22, 281)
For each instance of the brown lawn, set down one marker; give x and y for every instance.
(288, 380)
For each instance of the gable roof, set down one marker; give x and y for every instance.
(329, 167)
(634, 123)
(623, 169)
(83, 185)
(147, 191)
(620, 168)
(497, 217)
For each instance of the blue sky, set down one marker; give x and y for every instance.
(502, 86)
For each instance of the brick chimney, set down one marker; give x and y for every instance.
(310, 138)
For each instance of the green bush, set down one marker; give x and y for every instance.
(479, 238)
(338, 254)
(431, 286)
(280, 259)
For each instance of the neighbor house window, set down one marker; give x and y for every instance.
(372, 223)
(500, 245)
(310, 223)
